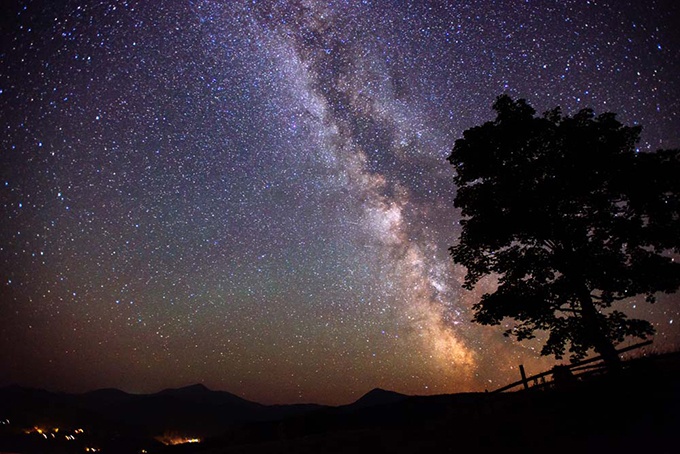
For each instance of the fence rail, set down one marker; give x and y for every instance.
(585, 367)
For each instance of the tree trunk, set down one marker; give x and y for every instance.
(596, 331)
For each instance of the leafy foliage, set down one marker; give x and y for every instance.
(571, 219)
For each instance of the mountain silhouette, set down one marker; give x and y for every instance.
(200, 394)
(106, 396)
(194, 408)
(195, 389)
(376, 396)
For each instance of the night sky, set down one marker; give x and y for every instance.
(254, 195)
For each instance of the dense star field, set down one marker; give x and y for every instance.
(254, 194)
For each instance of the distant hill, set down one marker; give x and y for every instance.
(193, 409)
(102, 397)
(199, 393)
(375, 397)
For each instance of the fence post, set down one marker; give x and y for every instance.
(524, 377)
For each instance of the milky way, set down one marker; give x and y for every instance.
(255, 196)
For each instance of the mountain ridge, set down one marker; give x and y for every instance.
(375, 397)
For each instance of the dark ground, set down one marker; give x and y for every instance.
(638, 411)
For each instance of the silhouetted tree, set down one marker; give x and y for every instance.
(570, 218)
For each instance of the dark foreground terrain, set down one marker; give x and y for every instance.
(638, 411)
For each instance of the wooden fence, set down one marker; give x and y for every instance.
(578, 369)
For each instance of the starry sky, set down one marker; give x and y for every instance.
(254, 195)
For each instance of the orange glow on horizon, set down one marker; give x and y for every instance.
(170, 439)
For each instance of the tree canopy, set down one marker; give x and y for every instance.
(571, 218)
